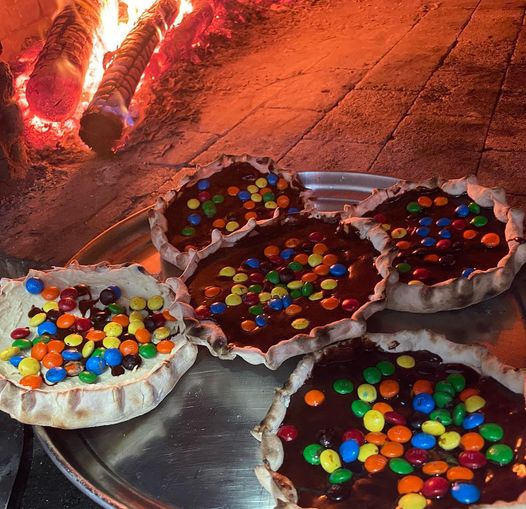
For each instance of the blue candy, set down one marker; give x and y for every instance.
(467, 272)
(443, 221)
(338, 270)
(445, 233)
(46, 328)
(244, 195)
(194, 219)
(261, 320)
(423, 441)
(55, 375)
(424, 403)
(465, 493)
(272, 179)
(287, 254)
(349, 450)
(71, 355)
(217, 308)
(34, 285)
(426, 221)
(473, 420)
(423, 231)
(286, 300)
(276, 304)
(116, 291)
(462, 210)
(428, 242)
(112, 357)
(293, 210)
(15, 361)
(96, 365)
(253, 263)
(203, 185)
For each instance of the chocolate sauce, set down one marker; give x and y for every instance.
(231, 209)
(351, 251)
(462, 254)
(379, 490)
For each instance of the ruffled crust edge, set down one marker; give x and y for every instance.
(97, 405)
(208, 333)
(456, 293)
(477, 357)
(159, 223)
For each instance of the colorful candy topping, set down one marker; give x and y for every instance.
(287, 280)
(441, 236)
(74, 334)
(213, 204)
(363, 446)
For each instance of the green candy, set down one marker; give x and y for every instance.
(307, 289)
(446, 387)
(413, 207)
(473, 207)
(312, 452)
(442, 415)
(343, 386)
(442, 399)
(41, 339)
(457, 381)
(273, 277)
(295, 266)
(188, 231)
(459, 412)
(400, 466)
(501, 454)
(87, 377)
(479, 221)
(268, 197)
(403, 267)
(491, 432)
(23, 344)
(372, 375)
(115, 309)
(360, 408)
(148, 351)
(296, 294)
(255, 288)
(98, 352)
(340, 475)
(256, 310)
(386, 368)
(209, 208)
(218, 198)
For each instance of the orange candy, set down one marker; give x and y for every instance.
(302, 258)
(292, 310)
(271, 251)
(459, 474)
(421, 386)
(283, 201)
(265, 190)
(490, 240)
(425, 201)
(219, 223)
(410, 484)
(212, 291)
(167, 316)
(39, 351)
(250, 215)
(314, 397)
(400, 434)
(377, 438)
(435, 467)
(322, 269)
(403, 244)
(249, 205)
(55, 346)
(392, 449)
(282, 184)
(129, 347)
(95, 335)
(122, 319)
(440, 201)
(248, 325)
(375, 463)
(431, 258)
(52, 360)
(65, 321)
(165, 346)
(330, 259)
(466, 393)
(382, 407)
(330, 303)
(472, 441)
(469, 234)
(31, 381)
(143, 335)
(320, 248)
(232, 191)
(389, 388)
(309, 277)
(292, 242)
(50, 293)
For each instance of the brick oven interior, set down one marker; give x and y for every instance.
(407, 89)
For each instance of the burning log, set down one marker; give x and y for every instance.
(103, 121)
(55, 86)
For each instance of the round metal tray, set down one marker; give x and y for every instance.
(195, 450)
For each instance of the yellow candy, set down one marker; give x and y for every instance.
(137, 303)
(264, 297)
(9, 352)
(193, 203)
(137, 316)
(474, 403)
(399, 233)
(74, 339)
(329, 284)
(386, 227)
(37, 319)
(113, 329)
(252, 189)
(314, 259)
(111, 342)
(155, 303)
(233, 300)
(300, 323)
(232, 226)
(88, 348)
(412, 501)
(256, 198)
(50, 305)
(240, 277)
(295, 285)
(330, 460)
(415, 282)
(227, 271)
(239, 289)
(374, 421)
(367, 392)
(279, 292)
(316, 296)
(434, 428)
(161, 333)
(405, 361)
(261, 182)
(134, 325)
(271, 205)
(29, 366)
(367, 450)
(449, 440)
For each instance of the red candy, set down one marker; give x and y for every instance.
(158, 319)
(350, 305)
(83, 324)
(202, 312)
(287, 432)
(251, 298)
(421, 274)
(444, 244)
(459, 224)
(20, 333)
(472, 459)
(256, 277)
(395, 418)
(416, 456)
(203, 196)
(69, 293)
(354, 434)
(316, 236)
(380, 218)
(435, 487)
(67, 303)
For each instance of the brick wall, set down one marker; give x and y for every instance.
(20, 19)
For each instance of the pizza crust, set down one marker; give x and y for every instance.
(71, 404)
(459, 292)
(476, 357)
(171, 256)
